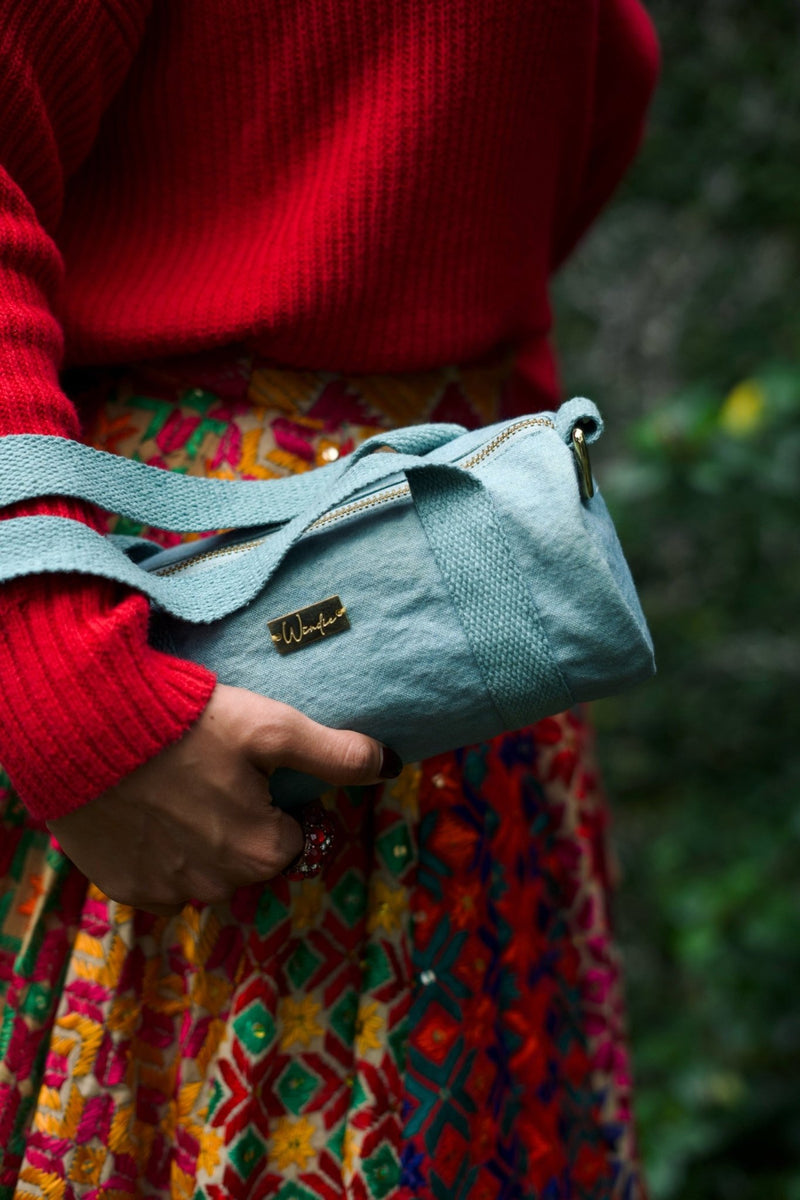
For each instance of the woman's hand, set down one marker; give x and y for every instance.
(197, 822)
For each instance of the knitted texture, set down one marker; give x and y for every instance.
(337, 138)
(116, 701)
(84, 700)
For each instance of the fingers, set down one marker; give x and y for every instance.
(288, 738)
(255, 843)
(196, 822)
(274, 843)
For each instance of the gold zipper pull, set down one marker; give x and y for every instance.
(584, 466)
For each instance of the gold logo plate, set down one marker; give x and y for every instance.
(312, 624)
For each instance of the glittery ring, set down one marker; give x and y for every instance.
(319, 832)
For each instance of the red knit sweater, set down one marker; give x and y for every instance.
(362, 185)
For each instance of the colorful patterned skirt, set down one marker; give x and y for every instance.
(437, 1016)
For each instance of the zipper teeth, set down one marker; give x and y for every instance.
(491, 446)
(360, 505)
(223, 552)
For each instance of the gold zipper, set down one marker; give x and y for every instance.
(402, 489)
(508, 432)
(368, 502)
(222, 552)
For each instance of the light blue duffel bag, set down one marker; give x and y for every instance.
(467, 584)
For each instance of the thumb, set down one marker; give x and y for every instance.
(339, 756)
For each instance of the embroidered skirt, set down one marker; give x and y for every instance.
(437, 1016)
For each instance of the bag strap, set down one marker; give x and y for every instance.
(458, 516)
(493, 600)
(32, 545)
(34, 465)
(489, 592)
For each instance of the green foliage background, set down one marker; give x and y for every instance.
(680, 315)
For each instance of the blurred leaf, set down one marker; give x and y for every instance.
(743, 409)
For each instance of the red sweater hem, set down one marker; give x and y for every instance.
(98, 701)
(84, 698)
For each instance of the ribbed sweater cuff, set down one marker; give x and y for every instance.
(84, 698)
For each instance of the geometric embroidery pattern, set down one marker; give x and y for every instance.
(437, 1016)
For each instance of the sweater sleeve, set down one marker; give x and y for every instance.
(83, 698)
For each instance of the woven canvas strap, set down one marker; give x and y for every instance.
(33, 465)
(493, 600)
(488, 591)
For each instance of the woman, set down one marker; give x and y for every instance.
(274, 223)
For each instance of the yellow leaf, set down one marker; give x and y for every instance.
(743, 409)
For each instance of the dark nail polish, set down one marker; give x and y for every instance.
(391, 764)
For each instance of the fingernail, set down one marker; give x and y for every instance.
(391, 764)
